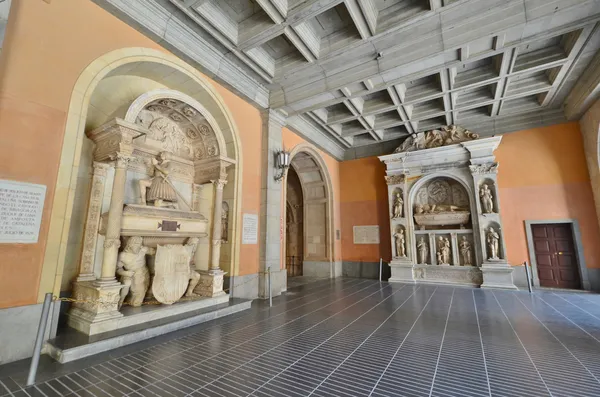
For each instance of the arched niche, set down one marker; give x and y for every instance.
(317, 192)
(491, 186)
(103, 91)
(440, 192)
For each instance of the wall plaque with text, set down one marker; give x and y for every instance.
(21, 206)
(250, 229)
(366, 234)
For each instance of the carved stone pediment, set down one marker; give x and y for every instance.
(447, 135)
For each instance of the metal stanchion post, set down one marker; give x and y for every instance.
(380, 268)
(270, 293)
(39, 340)
(528, 276)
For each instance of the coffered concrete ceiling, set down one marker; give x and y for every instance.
(356, 76)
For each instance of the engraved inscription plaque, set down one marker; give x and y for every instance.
(366, 234)
(21, 206)
(250, 229)
(169, 226)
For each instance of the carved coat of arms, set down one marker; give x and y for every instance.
(171, 273)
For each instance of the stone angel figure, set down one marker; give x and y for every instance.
(398, 206)
(158, 190)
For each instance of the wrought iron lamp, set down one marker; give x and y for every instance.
(282, 163)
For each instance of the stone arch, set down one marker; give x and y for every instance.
(318, 222)
(150, 64)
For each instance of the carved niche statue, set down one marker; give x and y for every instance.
(224, 222)
(158, 190)
(422, 248)
(400, 243)
(443, 251)
(493, 240)
(191, 246)
(465, 251)
(447, 135)
(398, 206)
(487, 203)
(131, 266)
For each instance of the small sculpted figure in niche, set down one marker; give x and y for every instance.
(492, 242)
(398, 206)
(443, 252)
(487, 203)
(465, 251)
(131, 266)
(422, 248)
(191, 246)
(400, 243)
(158, 190)
(225, 222)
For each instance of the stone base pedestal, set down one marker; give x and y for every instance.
(211, 283)
(402, 272)
(497, 275)
(447, 274)
(97, 307)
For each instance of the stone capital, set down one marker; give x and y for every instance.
(121, 160)
(486, 168)
(395, 179)
(219, 183)
(100, 169)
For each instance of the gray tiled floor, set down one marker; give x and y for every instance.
(355, 337)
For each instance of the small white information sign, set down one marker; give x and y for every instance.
(250, 229)
(21, 206)
(366, 234)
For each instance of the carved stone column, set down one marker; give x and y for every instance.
(90, 237)
(216, 224)
(211, 281)
(112, 240)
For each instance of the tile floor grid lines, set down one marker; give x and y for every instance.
(364, 341)
(477, 343)
(559, 341)
(287, 340)
(326, 340)
(521, 342)
(401, 344)
(487, 375)
(267, 309)
(437, 364)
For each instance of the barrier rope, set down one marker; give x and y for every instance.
(152, 302)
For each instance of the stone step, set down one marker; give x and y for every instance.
(70, 345)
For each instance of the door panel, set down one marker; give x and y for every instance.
(555, 256)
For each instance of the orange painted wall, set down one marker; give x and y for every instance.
(543, 175)
(290, 140)
(46, 47)
(364, 202)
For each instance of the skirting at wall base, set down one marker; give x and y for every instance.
(323, 269)
(18, 329)
(244, 287)
(278, 283)
(401, 273)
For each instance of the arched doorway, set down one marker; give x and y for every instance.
(294, 225)
(309, 171)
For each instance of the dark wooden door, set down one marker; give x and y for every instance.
(555, 256)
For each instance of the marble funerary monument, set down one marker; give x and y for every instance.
(444, 209)
(145, 236)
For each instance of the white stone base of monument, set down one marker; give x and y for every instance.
(95, 306)
(450, 275)
(497, 275)
(70, 345)
(130, 316)
(402, 271)
(211, 283)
